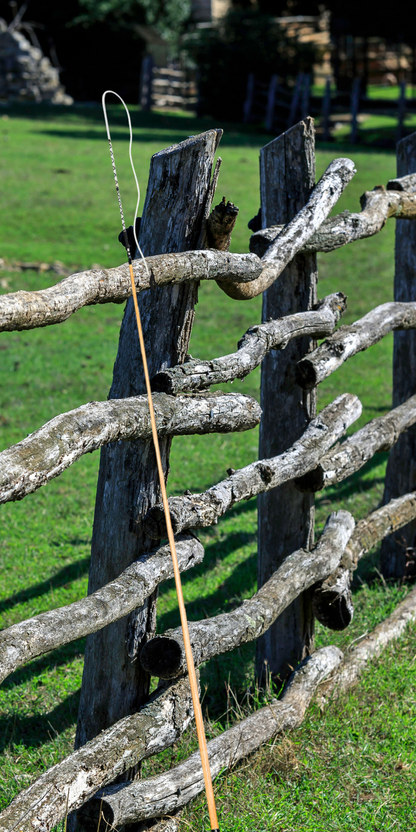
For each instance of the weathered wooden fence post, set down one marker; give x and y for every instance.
(286, 517)
(113, 683)
(401, 468)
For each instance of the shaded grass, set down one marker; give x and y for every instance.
(45, 539)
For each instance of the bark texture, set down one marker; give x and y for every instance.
(49, 630)
(175, 788)
(67, 785)
(199, 510)
(344, 460)
(220, 225)
(113, 682)
(348, 340)
(377, 206)
(164, 656)
(369, 648)
(48, 451)
(401, 468)
(306, 214)
(286, 518)
(253, 347)
(28, 310)
(332, 600)
(381, 523)
(403, 183)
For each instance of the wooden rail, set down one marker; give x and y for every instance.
(313, 461)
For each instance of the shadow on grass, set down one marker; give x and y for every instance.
(156, 126)
(37, 729)
(354, 484)
(65, 576)
(56, 658)
(225, 598)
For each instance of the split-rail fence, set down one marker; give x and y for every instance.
(119, 723)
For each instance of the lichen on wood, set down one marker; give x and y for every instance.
(380, 434)
(164, 656)
(51, 449)
(199, 510)
(252, 348)
(349, 340)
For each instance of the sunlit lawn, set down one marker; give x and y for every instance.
(57, 203)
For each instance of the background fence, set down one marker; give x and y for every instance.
(298, 456)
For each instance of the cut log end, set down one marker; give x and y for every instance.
(305, 374)
(162, 657)
(162, 383)
(310, 482)
(333, 610)
(220, 225)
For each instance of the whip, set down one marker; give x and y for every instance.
(182, 611)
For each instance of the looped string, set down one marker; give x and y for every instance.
(113, 164)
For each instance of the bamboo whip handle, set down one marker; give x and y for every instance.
(184, 621)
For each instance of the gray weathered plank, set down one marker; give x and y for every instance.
(286, 518)
(113, 683)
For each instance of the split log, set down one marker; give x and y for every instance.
(252, 348)
(298, 231)
(348, 340)
(377, 207)
(198, 510)
(68, 784)
(24, 641)
(332, 599)
(27, 310)
(167, 792)
(369, 648)
(345, 459)
(164, 656)
(47, 452)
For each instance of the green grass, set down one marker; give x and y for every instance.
(338, 771)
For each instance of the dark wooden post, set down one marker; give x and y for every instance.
(294, 104)
(326, 111)
(401, 468)
(304, 106)
(248, 104)
(401, 110)
(355, 104)
(113, 683)
(271, 98)
(286, 517)
(146, 77)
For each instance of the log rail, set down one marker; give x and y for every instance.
(86, 777)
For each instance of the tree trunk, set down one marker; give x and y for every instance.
(113, 683)
(401, 468)
(286, 517)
